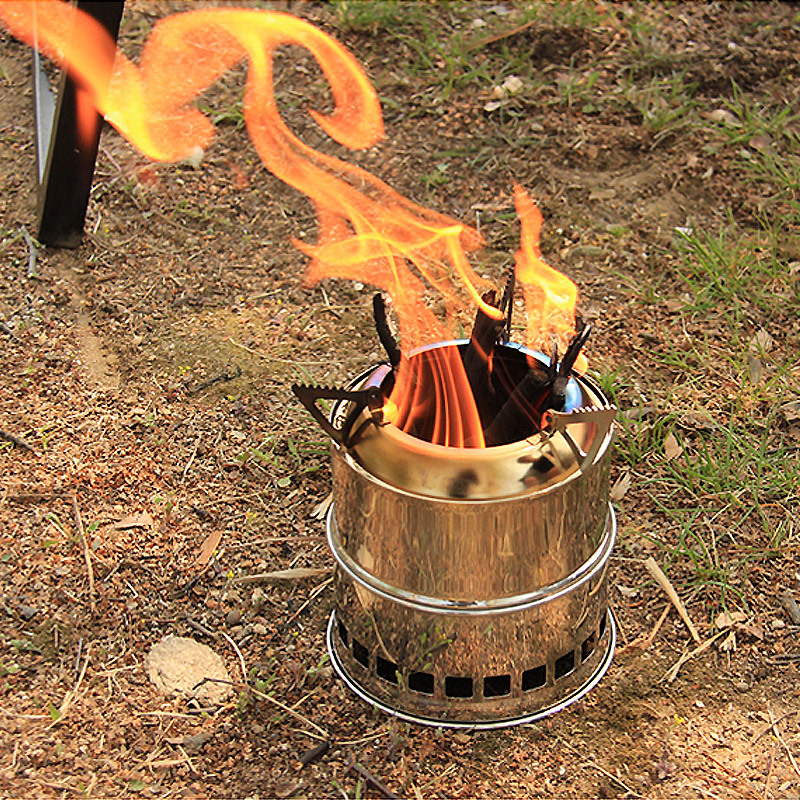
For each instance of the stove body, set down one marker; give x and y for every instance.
(470, 588)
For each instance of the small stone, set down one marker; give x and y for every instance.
(233, 617)
(742, 686)
(178, 665)
(260, 629)
(26, 612)
(777, 624)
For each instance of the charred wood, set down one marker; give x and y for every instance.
(543, 388)
(478, 357)
(384, 333)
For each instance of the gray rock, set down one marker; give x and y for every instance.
(177, 664)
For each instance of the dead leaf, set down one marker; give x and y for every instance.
(671, 447)
(191, 743)
(755, 369)
(321, 509)
(620, 488)
(791, 410)
(726, 619)
(665, 769)
(762, 342)
(627, 591)
(286, 788)
(756, 631)
(143, 520)
(723, 115)
(208, 547)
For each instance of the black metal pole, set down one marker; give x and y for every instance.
(65, 173)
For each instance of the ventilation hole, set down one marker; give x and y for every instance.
(343, 633)
(534, 678)
(457, 687)
(565, 665)
(496, 685)
(360, 653)
(602, 626)
(386, 670)
(421, 682)
(587, 648)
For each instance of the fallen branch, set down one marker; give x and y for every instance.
(369, 778)
(283, 575)
(87, 554)
(664, 582)
(16, 441)
(311, 755)
(672, 673)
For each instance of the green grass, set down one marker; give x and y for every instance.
(733, 269)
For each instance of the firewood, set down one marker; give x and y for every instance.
(384, 333)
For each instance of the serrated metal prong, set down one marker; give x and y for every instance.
(554, 422)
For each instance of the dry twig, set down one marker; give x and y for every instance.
(664, 582)
(87, 554)
(369, 778)
(672, 673)
(239, 654)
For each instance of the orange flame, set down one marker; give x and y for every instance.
(367, 231)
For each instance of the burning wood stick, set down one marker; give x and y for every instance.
(487, 333)
(478, 359)
(544, 387)
(384, 333)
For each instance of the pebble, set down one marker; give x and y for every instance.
(777, 624)
(233, 617)
(742, 686)
(27, 611)
(260, 629)
(177, 665)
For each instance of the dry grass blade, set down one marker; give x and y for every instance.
(87, 554)
(664, 582)
(298, 573)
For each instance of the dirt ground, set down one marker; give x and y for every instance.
(149, 373)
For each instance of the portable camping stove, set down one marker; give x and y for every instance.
(470, 583)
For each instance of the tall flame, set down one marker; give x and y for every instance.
(367, 231)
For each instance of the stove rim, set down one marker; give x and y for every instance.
(488, 725)
(574, 473)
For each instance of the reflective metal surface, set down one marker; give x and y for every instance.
(601, 665)
(524, 467)
(479, 607)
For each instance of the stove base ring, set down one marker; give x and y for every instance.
(497, 724)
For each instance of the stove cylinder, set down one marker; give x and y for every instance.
(470, 589)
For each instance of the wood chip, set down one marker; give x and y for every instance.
(208, 547)
(295, 574)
